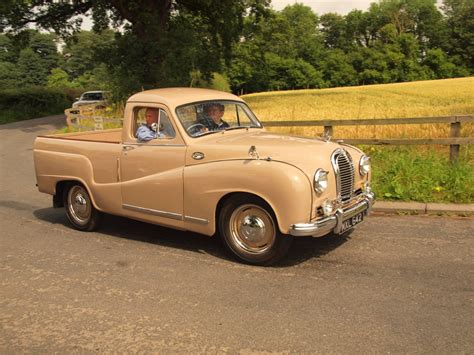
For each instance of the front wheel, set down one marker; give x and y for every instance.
(79, 208)
(250, 231)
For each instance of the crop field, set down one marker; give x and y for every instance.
(415, 99)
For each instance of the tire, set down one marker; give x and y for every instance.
(250, 231)
(79, 208)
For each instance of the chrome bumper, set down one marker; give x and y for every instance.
(333, 223)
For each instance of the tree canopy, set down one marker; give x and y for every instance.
(140, 44)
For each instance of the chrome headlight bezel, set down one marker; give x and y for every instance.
(320, 180)
(364, 165)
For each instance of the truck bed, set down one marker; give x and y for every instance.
(104, 136)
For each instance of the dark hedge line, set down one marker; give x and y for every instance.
(25, 103)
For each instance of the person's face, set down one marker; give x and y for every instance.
(214, 113)
(151, 116)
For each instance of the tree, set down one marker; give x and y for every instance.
(334, 30)
(32, 70)
(8, 75)
(58, 79)
(146, 36)
(81, 51)
(460, 24)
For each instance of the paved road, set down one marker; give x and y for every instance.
(399, 284)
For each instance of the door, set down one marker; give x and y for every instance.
(151, 172)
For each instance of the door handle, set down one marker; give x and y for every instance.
(128, 147)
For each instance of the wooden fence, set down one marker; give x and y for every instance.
(454, 141)
(75, 116)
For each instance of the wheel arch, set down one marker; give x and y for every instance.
(226, 197)
(63, 185)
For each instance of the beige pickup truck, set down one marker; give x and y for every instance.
(199, 160)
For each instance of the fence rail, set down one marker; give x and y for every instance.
(455, 141)
(75, 116)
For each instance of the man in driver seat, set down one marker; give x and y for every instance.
(212, 119)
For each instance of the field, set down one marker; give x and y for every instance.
(416, 99)
(417, 173)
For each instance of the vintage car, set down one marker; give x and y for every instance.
(212, 169)
(98, 98)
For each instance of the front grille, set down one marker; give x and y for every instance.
(344, 171)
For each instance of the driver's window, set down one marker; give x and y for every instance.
(152, 123)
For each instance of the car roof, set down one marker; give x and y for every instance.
(174, 97)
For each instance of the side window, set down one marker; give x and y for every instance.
(148, 120)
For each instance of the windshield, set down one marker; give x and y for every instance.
(208, 117)
(92, 96)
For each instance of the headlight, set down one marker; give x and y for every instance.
(320, 180)
(364, 165)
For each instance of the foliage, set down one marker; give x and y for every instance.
(216, 82)
(143, 44)
(27, 59)
(145, 53)
(58, 79)
(393, 41)
(26, 103)
(426, 175)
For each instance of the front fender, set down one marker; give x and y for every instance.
(284, 187)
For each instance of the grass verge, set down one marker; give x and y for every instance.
(422, 174)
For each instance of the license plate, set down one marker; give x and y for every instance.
(351, 222)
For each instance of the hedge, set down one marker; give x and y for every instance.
(25, 103)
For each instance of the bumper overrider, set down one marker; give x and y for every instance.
(334, 223)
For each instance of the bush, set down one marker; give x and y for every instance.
(32, 102)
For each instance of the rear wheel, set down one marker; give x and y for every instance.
(250, 231)
(79, 208)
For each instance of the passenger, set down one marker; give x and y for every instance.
(149, 130)
(212, 119)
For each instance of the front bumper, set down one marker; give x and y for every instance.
(325, 225)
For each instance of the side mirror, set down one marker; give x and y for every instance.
(76, 99)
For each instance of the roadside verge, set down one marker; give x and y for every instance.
(420, 208)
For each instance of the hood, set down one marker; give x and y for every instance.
(304, 153)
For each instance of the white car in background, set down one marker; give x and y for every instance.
(100, 98)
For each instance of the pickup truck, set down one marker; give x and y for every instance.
(206, 164)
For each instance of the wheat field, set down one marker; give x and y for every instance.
(446, 97)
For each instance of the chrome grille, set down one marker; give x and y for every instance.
(344, 171)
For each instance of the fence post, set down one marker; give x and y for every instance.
(454, 148)
(327, 131)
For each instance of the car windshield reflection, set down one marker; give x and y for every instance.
(208, 117)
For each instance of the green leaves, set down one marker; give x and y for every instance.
(410, 174)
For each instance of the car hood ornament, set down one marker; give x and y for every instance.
(253, 152)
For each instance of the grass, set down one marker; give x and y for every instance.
(415, 173)
(424, 175)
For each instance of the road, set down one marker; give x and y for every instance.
(399, 284)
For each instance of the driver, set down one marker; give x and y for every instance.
(212, 119)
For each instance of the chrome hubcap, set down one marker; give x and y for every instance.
(79, 204)
(252, 229)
